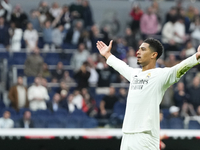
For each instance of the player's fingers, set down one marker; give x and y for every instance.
(110, 44)
(102, 44)
(99, 44)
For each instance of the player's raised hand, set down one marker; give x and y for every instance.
(104, 49)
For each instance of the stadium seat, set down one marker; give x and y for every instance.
(42, 113)
(175, 123)
(89, 123)
(98, 99)
(53, 122)
(19, 58)
(193, 124)
(166, 113)
(164, 124)
(61, 112)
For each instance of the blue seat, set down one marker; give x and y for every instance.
(54, 123)
(175, 123)
(73, 122)
(119, 108)
(51, 58)
(193, 124)
(2, 105)
(61, 112)
(166, 113)
(38, 123)
(42, 113)
(164, 124)
(19, 58)
(78, 113)
(89, 123)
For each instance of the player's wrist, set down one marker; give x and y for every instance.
(107, 55)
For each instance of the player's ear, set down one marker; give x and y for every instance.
(154, 55)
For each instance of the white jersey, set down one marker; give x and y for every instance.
(146, 91)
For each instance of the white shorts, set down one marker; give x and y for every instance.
(139, 141)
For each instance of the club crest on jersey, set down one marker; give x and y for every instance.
(148, 75)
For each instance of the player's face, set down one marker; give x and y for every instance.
(144, 54)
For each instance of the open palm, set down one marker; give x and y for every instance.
(104, 49)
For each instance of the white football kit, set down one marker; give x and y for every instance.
(144, 97)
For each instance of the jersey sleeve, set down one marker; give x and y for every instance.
(120, 66)
(173, 74)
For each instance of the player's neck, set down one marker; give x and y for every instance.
(149, 66)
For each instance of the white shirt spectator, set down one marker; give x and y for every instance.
(179, 28)
(168, 32)
(16, 40)
(6, 123)
(37, 96)
(78, 101)
(31, 36)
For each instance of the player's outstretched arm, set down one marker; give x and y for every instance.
(104, 49)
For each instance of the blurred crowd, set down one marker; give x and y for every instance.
(51, 27)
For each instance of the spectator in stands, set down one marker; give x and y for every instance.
(180, 32)
(65, 19)
(30, 37)
(63, 87)
(149, 24)
(82, 76)
(69, 104)
(121, 79)
(79, 57)
(190, 12)
(136, 14)
(76, 10)
(7, 8)
(195, 31)
(67, 79)
(59, 72)
(55, 10)
(44, 83)
(168, 33)
(18, 95)
(105, 73)
(130, 38)
(85, 38)
(107, 103)
(181, 100)
(87, 14)
(4, 34)
(54, 104)
(186, 21)
(89, 104)
(122, 95)
(34, 19)
(194, 92)
(174, 112)
(45, 71)
(171, 15)
(94, 76)
(26, 121)
(131, 58)
(73, 34)
(37, 95)
(121, 48)
(15, 37)
(171, 60)
(5, 121)
(188, 50)
(57, 36)
(43, 8)
(34, 63)
(77, 99)
(47, 36)
(19, 17)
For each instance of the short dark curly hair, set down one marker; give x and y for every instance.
(155, 46)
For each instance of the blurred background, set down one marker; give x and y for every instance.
(57, 92)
